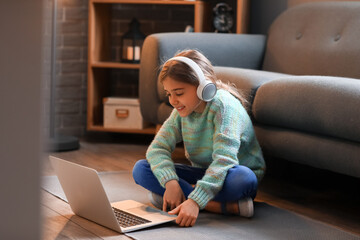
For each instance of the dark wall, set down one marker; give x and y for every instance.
(263, 13)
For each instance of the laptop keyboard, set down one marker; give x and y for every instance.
(126, 219)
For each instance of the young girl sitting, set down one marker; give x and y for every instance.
(210, 119)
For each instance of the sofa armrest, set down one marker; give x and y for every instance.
(323, 105)
(231, 50)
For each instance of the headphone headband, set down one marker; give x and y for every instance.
(199, 73)
(206, 89)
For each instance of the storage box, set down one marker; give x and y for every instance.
(123, 113)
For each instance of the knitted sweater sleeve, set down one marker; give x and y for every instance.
(226, 144)
(159, 152)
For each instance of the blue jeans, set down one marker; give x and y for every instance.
(240, 181)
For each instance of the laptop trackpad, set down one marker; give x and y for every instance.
(142, 210)
(145, 210)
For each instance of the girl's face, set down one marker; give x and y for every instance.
(182, 96)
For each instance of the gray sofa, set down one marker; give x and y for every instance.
(302, 79)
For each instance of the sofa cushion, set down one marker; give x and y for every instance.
(246, 80)
(316, 39)
(323, 105)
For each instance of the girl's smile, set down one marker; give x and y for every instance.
(182, 96)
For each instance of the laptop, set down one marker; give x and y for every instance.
(87, 198)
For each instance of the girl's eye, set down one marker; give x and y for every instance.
(177, 94)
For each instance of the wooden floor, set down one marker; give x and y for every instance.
(327, 197)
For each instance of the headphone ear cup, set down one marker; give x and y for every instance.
(206, 90)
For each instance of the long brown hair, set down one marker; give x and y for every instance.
(181, 72)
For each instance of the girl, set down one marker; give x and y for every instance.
(210, 119)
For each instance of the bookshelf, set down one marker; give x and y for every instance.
(99, 55)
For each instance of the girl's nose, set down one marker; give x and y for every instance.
(173, 100)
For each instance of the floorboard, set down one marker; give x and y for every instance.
(327, 197)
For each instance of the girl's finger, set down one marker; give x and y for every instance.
(164, 206)
(179, 219)
(188, 222)
(183, 222)
(193, 222)
(173, 206)
(174, 211)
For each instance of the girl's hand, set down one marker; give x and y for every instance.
(173, 195)
(187, 212)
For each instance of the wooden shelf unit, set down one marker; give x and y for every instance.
(100, 65)
(119, 65)
(242, 16)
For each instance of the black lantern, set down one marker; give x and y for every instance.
(132, 42)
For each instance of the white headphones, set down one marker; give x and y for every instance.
(206, 90)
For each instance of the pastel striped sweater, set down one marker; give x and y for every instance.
(217, 139)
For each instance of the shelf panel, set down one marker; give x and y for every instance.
(100, 128)
(115, 65)
(165, 2)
